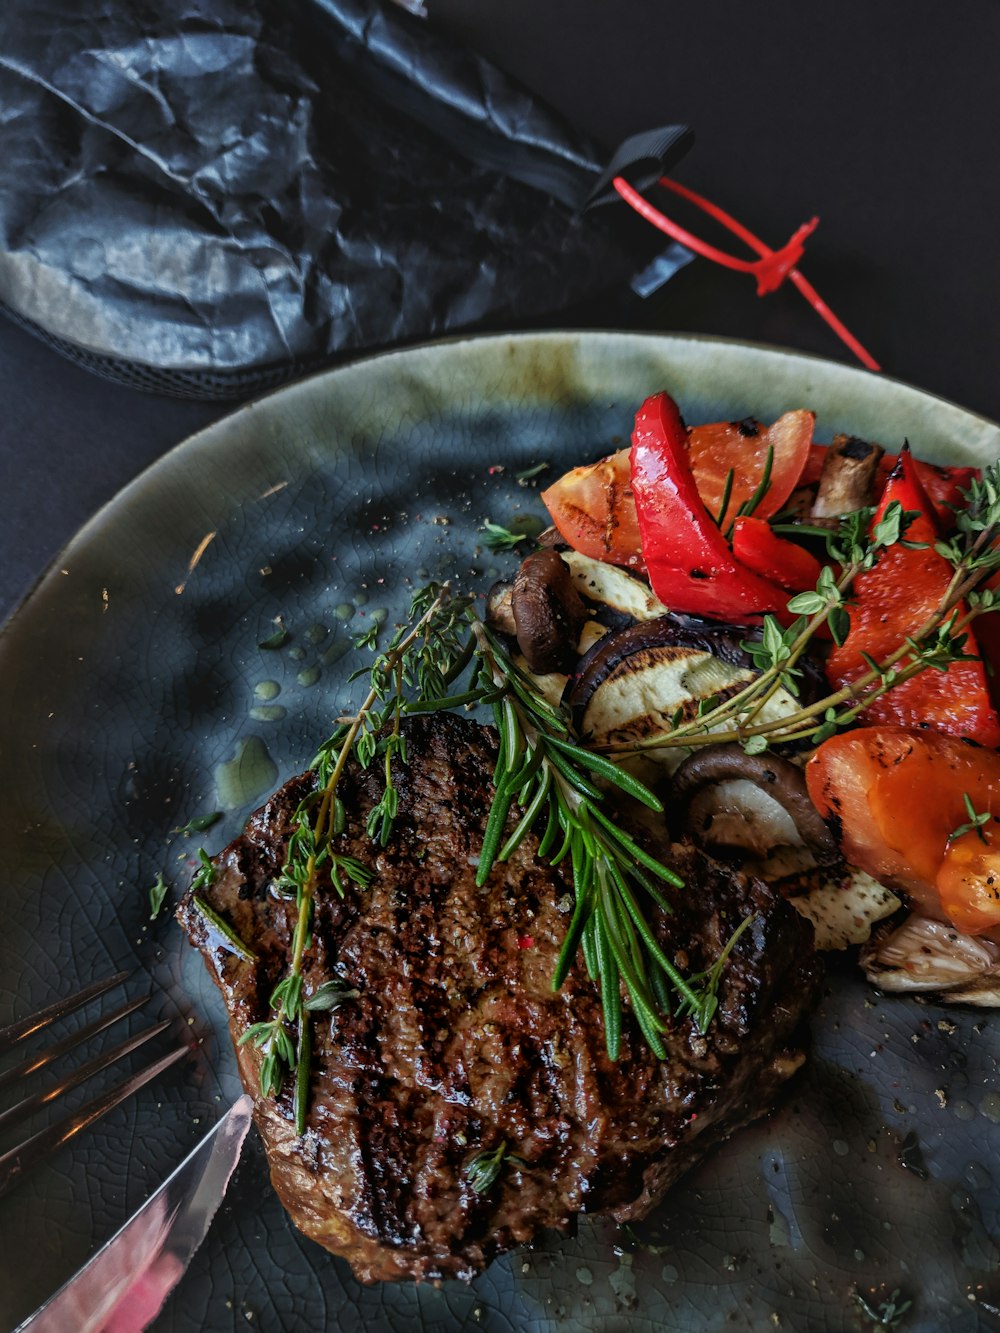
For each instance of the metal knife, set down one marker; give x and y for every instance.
(123, 1287)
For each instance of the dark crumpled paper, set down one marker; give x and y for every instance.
(209, 197)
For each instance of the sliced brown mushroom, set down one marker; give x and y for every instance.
(848, 478)
(500, 607)
(737, 801)
(926, 955)
(548, 612)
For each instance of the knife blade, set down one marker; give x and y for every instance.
(122, 1288)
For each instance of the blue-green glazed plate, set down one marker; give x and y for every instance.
(136, 696)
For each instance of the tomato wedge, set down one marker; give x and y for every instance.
(594, 509)
(742, 447)
(899, 796)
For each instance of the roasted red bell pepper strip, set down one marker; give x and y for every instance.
(894, 599)
(785, 563)
(943, 485)
(689, 562)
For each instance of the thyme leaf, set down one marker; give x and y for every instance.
(974, 823)
(157, 895)
(484, 1170)
(498, 538)
(200, 823)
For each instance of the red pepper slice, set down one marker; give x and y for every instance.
(943, 485)
(690, 565)
(891, 601)
(785, 563)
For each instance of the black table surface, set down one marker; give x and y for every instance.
(883, 119)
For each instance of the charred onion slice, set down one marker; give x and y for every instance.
(637, 684)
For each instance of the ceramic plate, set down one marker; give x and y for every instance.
(136, 696)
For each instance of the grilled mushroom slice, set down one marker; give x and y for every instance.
(847, 481)
(923, 955)
(500, 608)
(548, 612)
(750, 803)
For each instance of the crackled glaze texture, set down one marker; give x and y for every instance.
(134, 696)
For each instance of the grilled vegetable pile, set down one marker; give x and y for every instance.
(794, 644)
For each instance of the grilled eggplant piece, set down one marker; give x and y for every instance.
(455, 1042)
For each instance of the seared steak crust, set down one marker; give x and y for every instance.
(456, 1041)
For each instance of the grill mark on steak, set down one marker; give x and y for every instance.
(456, 1040)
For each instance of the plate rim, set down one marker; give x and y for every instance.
(307, 385)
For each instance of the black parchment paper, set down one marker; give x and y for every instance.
(211, 196)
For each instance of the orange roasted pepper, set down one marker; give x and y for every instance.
(899, 798)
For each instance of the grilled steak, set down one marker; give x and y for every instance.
(455, 1041)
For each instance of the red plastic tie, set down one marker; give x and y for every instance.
(771, 268)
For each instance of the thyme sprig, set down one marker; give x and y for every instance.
(544, 770)
(422, 658)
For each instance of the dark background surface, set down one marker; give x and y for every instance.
(882, 119)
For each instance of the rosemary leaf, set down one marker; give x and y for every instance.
(223, 928)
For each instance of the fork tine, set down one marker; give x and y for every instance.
(24, 1027)
(20, 1110)
(58, 1048)
(29, 1154)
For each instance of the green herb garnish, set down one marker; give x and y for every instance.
(276, 640)
(975, 821)
(853, 547)
(223, 928)
(421, 660)
(498, 538)
(483, 1171)
(530, 473)
(888, 1313)
(157, 895)
(200, 823)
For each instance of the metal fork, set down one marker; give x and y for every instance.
(19, 1160)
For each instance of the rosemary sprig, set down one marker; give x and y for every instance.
(751, 504)
(542, 768)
